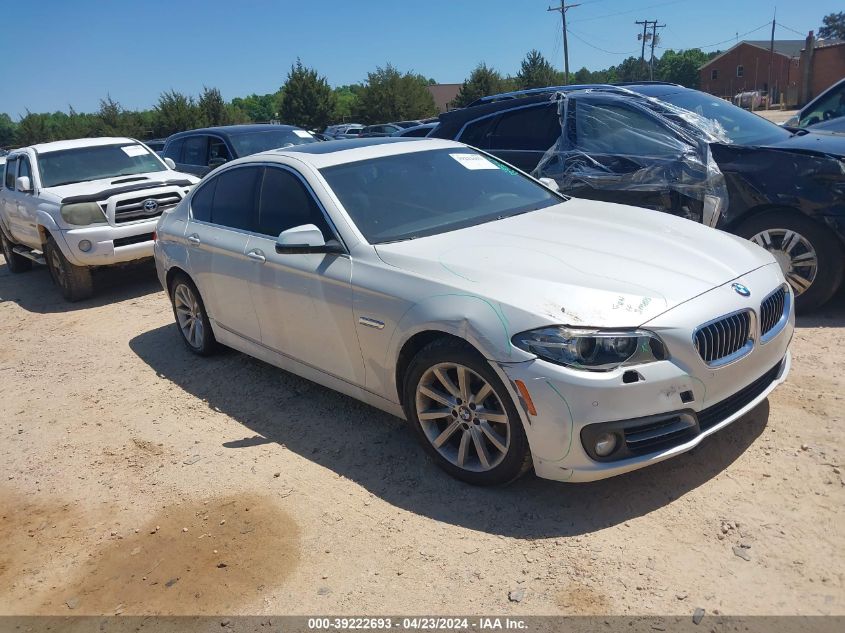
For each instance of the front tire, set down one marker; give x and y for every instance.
(464, 416)
(74, 282)
(812, 259)
(191, 317)
(14, 262)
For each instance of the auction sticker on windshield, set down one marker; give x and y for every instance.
(473, 161)
(134, 150)
(302, 134)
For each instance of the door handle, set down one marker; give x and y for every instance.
(193, 240)
(257, 256)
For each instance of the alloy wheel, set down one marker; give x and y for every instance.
(463, 417)
(795, 255)
(188, 315)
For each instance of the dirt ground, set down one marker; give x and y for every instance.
(136, 478)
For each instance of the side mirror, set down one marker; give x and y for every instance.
(305, 239)
(551, 183)
(216, 162)
(169, 162)
(23, 184)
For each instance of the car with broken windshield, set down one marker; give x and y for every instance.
(665, 147)
(511, 326)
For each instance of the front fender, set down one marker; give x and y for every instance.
(46, 221)
(482, 323)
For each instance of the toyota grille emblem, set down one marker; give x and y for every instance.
(150, 205)
(741, 290)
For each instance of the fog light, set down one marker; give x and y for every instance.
(605, 444)
(85, 246)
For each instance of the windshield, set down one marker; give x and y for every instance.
(429, 192)
(248, 143)
(740, 126)
(92, 163)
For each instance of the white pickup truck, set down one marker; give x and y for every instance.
(75, 205)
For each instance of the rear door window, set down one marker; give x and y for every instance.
(534, 128)
(195, 150)
(477, 133)
(202, 200)
(234, 198)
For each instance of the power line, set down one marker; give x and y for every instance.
(598, 48)
(789, 28)
(629, 11)
(734, 38)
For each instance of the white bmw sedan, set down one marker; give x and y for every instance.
(510, 325)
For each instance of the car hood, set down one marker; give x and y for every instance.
(582, 262)
(831, 144)
(97, 189)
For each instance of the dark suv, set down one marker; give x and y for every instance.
(669, 148)
(199, 151)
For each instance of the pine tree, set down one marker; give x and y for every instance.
(536, 72)
(390, 95)
(307, 99)
(482, 81)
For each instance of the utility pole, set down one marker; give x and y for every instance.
(654, 27)
(563, 8)
(769, 90)
(643, 37)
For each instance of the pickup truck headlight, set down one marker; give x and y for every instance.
(83, 213)
(591, 349)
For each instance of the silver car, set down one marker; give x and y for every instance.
(510, 325)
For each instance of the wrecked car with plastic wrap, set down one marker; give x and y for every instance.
(668, 148)
(510, 325)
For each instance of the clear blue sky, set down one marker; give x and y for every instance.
(73, 52)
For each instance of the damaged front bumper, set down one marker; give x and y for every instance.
(653, 411)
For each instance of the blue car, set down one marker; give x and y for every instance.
(199, 151)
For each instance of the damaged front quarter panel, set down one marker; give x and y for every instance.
(766, 177)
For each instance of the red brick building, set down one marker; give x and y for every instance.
(826, 65)
(800, 69)
(745, 67)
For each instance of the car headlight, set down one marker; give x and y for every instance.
(591, 349)
(83, 213)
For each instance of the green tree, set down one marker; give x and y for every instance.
(258, 108)
(392, 96)
(833, 26)
(34, 128)
(175, 112)
(346, 101)
(536, 72)
(631, 69)
(680, 67)
(212, 107)
(481, 82)
(7, 130)
(308, 101)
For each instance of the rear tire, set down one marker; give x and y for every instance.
(191, 318)
(470, 427)
(74, 282)
(15, 263)
(776, 231)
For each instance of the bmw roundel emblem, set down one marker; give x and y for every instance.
(741, 290)
(150, 205)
